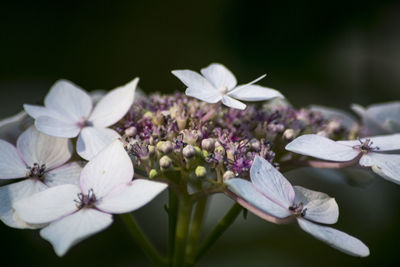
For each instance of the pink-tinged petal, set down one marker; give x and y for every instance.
(249, 193)
(335, 238)
(131, 196)
(68, 99)
(66, 174)
(271, 183)
(48, 205)
(114, 105)
(94, 139)
(219, 76)
(254, 93)
(57, 127)
(198, 86)
(9, 194)
(385, 165)
(233, 103)
(12, 127)
(323, 148)
(108, 169)
(319, 206)
(11, 164)
(68, 231)
(36, 147)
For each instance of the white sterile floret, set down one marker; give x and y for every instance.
(372, 151)
(68, 112)
(219, 84)
(38, 158)
(381, 118)
(77, 212)
(270, 195)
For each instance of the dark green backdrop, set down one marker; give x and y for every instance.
(315, 52)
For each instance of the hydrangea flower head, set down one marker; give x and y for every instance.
(269, 195)
(38, 158)
(371, 151)
(76, 212)
(217, 83)
(68, 112)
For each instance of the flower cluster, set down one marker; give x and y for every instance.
(133, 147)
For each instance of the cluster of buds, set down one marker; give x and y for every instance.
(166, 132)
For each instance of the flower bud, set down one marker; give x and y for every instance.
(131, 131)
(181, 122)
(153, 173)
(188, 151)
(255, 144)
(165, 147)
(200, 171)
(165, 162)
(289, 134)
(228, 175)
(152, 150)
(208, 144)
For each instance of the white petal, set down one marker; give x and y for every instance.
(36, 147)
(249, 193)
(219, 76)
(387, 115)
(131, 196)
(320, 207)
(70, 230)
(37, 111)
(108, 169)
(94, 139)
(66, 174)
(57, 127)
(254, 93)
(11, 193)
(385, 165)
(48, 205)
(114, 105)
(322, 147)
(233, 103)
(383, 142)
(335, 238)
(11, 164)
(198, 86)
(68, 99)
(12, 127)
(271, 183)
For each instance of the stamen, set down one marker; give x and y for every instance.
(36, 171)
(86, 201)
(298, 210)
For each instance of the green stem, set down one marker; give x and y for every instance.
(221, 227)
(195, 229)
(142, 240)
(182, 227)
(172, 214)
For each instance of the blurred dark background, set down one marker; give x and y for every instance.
(315, 52)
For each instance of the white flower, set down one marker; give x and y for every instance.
(12, 127)
(38, 158)
(380, 118)
(370, 151)
(270, 194)
(219, 84)
(68, 112)
(76, 212)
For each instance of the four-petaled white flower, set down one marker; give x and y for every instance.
(380, 118)
(269, 195)
(68, 112)
(372, 152)
(41, 160)
(219, 84)
(76, 212)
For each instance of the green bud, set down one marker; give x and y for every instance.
(165, 147)
(200, 171)
(153, 173)
(165, 162)
(152, 150)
